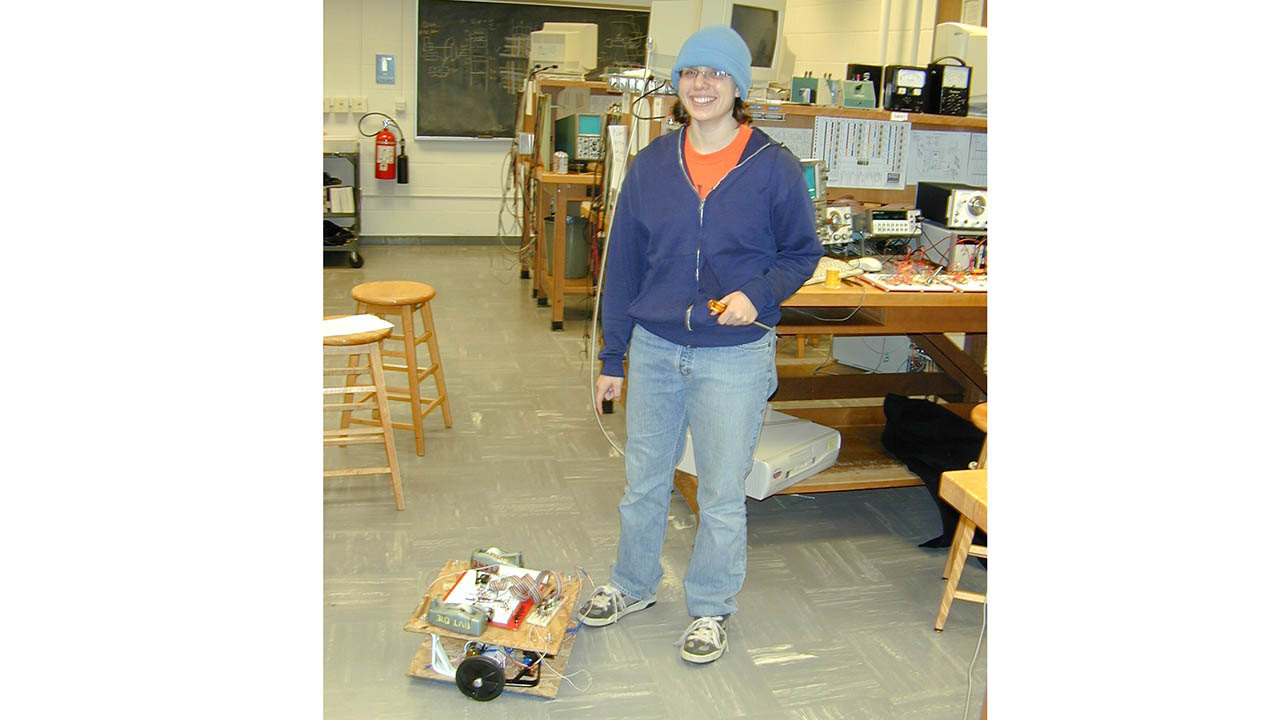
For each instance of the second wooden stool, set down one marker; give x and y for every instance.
(400, 298)
(357, 344)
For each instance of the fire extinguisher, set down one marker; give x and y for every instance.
(387, 163)
(384, 156)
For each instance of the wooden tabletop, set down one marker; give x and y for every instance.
(546, 176)
(966, 490)
(854, 292)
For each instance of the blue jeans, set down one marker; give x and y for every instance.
(719, 393)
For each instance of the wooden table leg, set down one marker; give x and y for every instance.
(388, 438)
(411, 370)
(954, 362)
(955, 564)
(540, 206)
(558, 260)
(437, 363)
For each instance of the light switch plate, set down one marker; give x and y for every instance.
(340, 105)
(359, 105)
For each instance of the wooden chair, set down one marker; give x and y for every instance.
(966, 490)
(369, 345)
(399, 299)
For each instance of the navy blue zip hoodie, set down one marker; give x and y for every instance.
(670, 251)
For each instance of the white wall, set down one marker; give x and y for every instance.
(456, 185)
(827, 35)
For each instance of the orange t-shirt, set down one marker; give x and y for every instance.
(707, 170)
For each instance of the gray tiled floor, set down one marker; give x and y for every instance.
(836, 616)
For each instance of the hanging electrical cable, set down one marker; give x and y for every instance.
(611, 208)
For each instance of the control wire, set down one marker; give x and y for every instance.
(981, 633)
(604, 257)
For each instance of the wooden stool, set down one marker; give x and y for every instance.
(354, 345)
(400, 298)
(966, 490)
(978, 416)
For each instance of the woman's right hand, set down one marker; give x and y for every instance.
(608, 387)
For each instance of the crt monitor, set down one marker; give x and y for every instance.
(969, 43)
(588, 34)
(671, 22)
(571, 47)
(760, 23)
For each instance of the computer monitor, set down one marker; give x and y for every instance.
(671, 22)
(569, 46)
(969, 43)
(760, 23)
(589, 33)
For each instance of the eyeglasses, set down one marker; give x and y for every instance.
(693, 73)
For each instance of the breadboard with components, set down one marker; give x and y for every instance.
(966, 283)
(890, 282)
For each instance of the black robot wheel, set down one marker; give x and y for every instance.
(480, 677)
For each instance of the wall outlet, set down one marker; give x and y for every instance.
(328, 104)
(359, 105)
(340, 105)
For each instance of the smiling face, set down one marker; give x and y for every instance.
(706, 98)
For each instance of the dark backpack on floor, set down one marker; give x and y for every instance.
(930, 440)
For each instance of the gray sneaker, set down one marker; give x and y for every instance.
(608, 604)
(705, 638)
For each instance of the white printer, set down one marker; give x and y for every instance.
(790, 450)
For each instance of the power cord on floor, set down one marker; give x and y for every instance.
(969, 692)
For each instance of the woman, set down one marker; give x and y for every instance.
(717, 211)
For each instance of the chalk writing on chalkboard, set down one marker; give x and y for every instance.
(473, 58)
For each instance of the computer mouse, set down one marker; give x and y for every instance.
(869, 264)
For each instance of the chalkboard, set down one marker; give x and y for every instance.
(473, 58)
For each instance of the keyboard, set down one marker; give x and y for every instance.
(825, 263)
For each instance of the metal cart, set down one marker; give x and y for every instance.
(351, 248)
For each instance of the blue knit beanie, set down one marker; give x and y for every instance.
(718, 47)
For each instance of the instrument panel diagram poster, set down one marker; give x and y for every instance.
(978, 160)
(939, 157)
(863, 153)
(798, 140)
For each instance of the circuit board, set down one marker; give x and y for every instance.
(917, 283)
(970, 283)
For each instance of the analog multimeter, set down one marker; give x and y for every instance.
(948, 88)
(904, 88)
